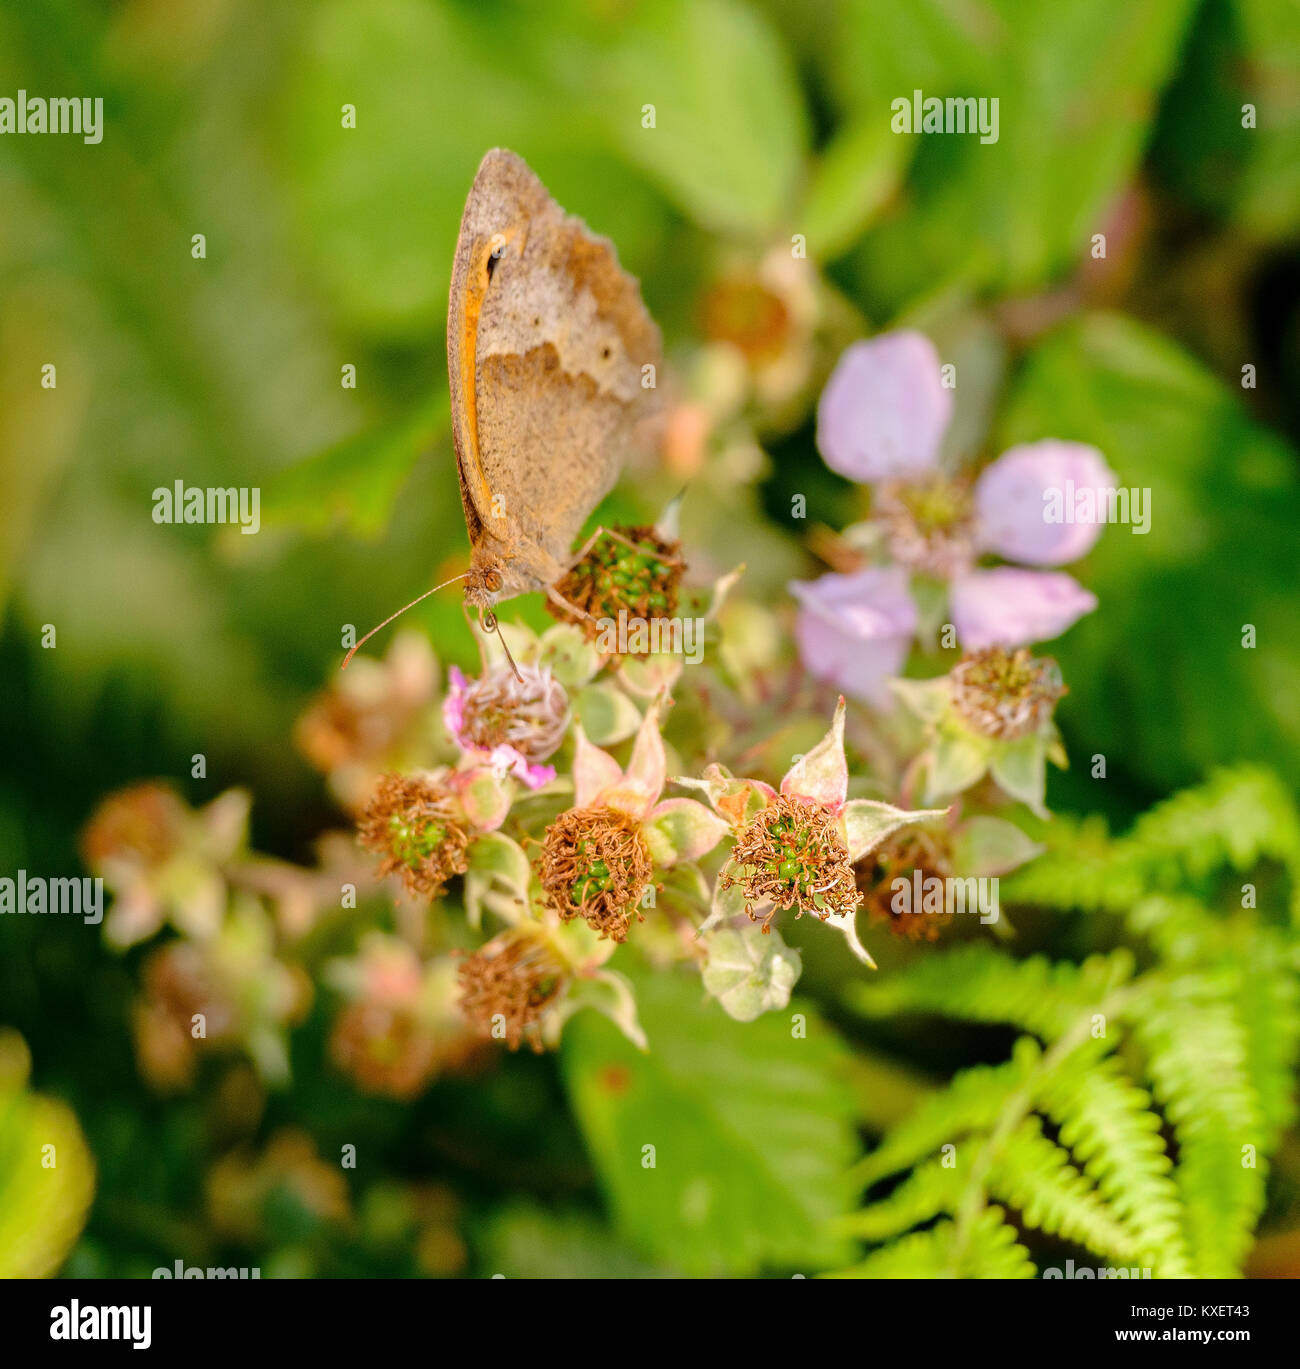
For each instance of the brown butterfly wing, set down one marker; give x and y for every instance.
(547, 338)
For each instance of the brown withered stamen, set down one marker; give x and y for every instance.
(384, 1049)
(142, 824)
(515, 977)
(595, 865)
(417, 829)
(1006, 694)
(644, 583)
(792, 855)
(913, 848)
(742, 310)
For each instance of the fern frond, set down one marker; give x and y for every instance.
(1196, 1057)
(1266, 1000)
(986, 1249)
(981, 983)
(992, 1250)
(1141, 1127)
(1083, 867)
(932, 1189)
(1034, 1177)
(971, 1102)
(1106, 1122)
(1239, 816)
(922, 1255)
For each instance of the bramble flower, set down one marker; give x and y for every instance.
(513, 723)
(927, 849)
(855, 630)
(881, 419)
(302, 895)
(229, 989)
(372, 717)
(400, 1028)
(162, 860)
(991, 714)
(507, 986)
(766, 315)
(422, 825)
(244, 1191)
(796, 847)
(607, 713)
(598, 857)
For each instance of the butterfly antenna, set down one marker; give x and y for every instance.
(418, 599)
(491, 624)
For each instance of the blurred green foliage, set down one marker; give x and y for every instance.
(328, 247)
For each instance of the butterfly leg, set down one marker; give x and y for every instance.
(616, 536)
(561, 602)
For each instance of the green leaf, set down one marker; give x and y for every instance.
(355, 483)
(1243, 53)
(43, 1205)
(730, 129)
(748, 972)
(526, 1241)
(1078, 83)
(1020, 768)
(742, 1119)
(857, 173)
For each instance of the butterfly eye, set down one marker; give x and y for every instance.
(492, 581)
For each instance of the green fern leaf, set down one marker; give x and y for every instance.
(981, 983)
(1197, 1058)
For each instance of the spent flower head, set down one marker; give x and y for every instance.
(795, 848)
(598, 857)
(636, 571)
(991, 714)
(399, 1028)
(508, 986)
(422, 825)
(1005, 694)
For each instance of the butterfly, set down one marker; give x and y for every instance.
(552, 359)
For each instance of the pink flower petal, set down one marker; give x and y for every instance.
(507, 761)
(647, 769)
(1012, 501)
(593, 770)
(822, 776)
(453, 706)
(884, 410)
(1014, 607)
(854, 630)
